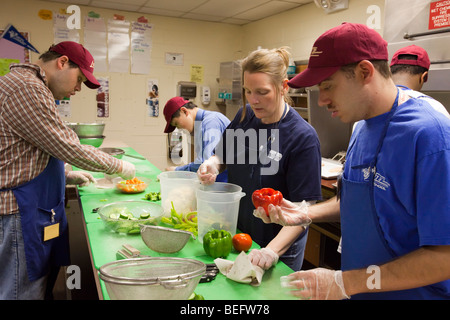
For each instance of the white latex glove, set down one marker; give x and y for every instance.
(263, 258)
(79, 178)
(286, 214)
(128, 170)
(208, 170)
(316, 284)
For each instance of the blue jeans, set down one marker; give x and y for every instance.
(293, 257)
(14, 283)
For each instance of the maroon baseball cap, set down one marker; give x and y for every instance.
(170, 108)
(422, 59)
(81, 56)
(342, 45)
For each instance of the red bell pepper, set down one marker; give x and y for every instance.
(265, 196)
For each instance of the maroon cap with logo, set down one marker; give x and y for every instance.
(81, 56)
(170, 108)
(342, 45)
(421, 60)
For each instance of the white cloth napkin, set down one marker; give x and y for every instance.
(241, 270)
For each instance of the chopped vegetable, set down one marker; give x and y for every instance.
(195, 296)
(265, 196)
(186, 222)
(152, 196)
(217, 243)
(123, 221)
(132, 186)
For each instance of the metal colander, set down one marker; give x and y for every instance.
(152, 278)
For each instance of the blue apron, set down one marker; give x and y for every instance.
(36, 200)
(363, 243)
(248, 177)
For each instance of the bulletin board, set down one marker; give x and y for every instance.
(12, 53)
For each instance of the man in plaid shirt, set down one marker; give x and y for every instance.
(34, 144)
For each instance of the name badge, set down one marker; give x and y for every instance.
(274, 155)
(51, 231)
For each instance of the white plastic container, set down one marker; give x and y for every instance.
(218, 207)
(178, 187)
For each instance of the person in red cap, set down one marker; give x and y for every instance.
(206, 127)
(409, 68)
(34, 144)
(392, 203)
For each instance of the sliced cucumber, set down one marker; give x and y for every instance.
(114, 216)
(124, 216)
(145, 215)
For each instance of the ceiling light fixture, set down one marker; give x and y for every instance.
(331, 5)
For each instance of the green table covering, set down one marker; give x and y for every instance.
(104, 243)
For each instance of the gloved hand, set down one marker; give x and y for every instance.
(128, 170)
(79, 178)
(208, 170)
(263, 258)
(317, 284)
(286, 214)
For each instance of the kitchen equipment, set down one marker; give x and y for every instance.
(164, 240)
(211, 271)
(178, 187)
(128, 252)
(119, 153)
(92, 141)
(115, 152)
(331, 169)
(127, 216)
(135, 185)
(87, 130)
(152, 278)
(218, 207)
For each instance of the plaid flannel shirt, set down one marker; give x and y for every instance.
(31, 131)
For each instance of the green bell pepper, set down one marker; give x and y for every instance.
(217, 243)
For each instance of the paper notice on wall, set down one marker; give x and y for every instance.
(197, 73)
(103, 97)
(141, 47)
(95, 42)
(60, 30)
(152, 100)
(118, 46)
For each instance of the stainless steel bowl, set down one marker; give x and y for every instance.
(164, 240)
(87, 130)
(92, 141)
(159, 278)
(115, 152)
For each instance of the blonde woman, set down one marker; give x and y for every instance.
(268, 144)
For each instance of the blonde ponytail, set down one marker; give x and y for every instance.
(273, 62)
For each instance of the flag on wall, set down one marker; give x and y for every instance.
(11, 34)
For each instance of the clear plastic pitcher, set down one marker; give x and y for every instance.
(218, 207)
(179, 188)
